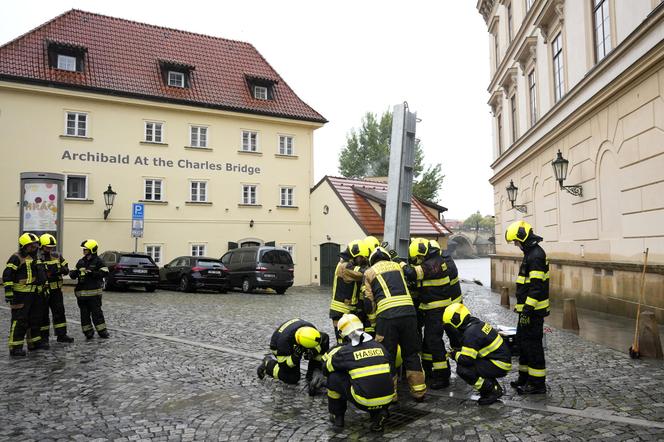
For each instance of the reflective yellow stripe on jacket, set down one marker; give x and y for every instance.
(327, 357)
(536, 274)
(89, 292)
(491, 347)
(435, 304)
(436, 282)
(373, 402)
(369, 370)
(467, 351)
(339, 306)
(537, 305)
(393, 301)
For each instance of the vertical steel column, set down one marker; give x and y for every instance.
(400, 179)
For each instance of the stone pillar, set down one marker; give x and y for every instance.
(504, 297)
(650, 345)
(570, 319)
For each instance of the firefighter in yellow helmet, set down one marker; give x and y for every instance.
(90, 272)
(371, 242)
(532, 304)
(22, 278)
(396, 317)
(483, 355)
(290, 342)
(56, 266)
(359, 372)
(437, 288)
(347, 282)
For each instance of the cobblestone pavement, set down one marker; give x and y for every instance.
(182, 367)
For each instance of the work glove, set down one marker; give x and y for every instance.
(74, 274)
(317, 381)
(298, 351)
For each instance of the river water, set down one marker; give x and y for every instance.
(479, 269)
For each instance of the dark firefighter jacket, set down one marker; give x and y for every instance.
(90, 274)
(22, 274)
(283, 342)
(385, 287)
(437, 285)
(532, 283)
(56, 266)
(481, 341)
(369, 371)
(345, 289)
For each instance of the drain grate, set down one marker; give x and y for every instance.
(401, 416)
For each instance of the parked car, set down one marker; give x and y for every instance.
(189, 273)
(259, 267)
(127, 269)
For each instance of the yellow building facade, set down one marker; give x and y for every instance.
(210, 178)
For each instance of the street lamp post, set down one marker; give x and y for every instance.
(560, 166)
(512, 192)
(109, 199)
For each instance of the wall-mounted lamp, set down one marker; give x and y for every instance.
(109, 199)
(560, 166)
(512, 191)
(251, 223)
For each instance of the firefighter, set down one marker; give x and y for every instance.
(532, 304)
(292, 341)
(396, 318)
(483, 355)
(22, 278)
(348, 281)
(432, 277)
(371, 242)
(359, 372)
(56, 266)
(90, 272)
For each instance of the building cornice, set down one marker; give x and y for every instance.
(526, 53)
(552, 15)
(496, 102)
(595, 90)
(508, 81)
(485, 8)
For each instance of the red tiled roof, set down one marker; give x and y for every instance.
(123, 58)
(422, 222)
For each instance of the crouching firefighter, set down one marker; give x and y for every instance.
(358, 372)
(292, 341)
(56, 266)
(90, 272)
(396, 318)
(483, 356)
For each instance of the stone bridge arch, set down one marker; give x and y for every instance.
(460, 245)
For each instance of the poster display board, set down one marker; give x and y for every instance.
(42, 204)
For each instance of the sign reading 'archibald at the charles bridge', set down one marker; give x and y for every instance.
(140, 160)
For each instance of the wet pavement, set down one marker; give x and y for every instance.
(182, 367)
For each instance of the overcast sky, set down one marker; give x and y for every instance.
(344, 58)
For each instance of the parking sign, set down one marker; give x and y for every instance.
(137, 217)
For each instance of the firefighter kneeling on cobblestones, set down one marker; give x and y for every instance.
(56, 266)
(90, 272)
(359, 372)
(483, 356)
(293, 340)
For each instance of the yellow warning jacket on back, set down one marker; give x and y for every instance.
(385, 287)
(481, 341)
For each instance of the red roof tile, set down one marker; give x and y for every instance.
(123, 59)
(422, 222)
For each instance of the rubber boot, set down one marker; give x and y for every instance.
(490, 392)
(89, 336)
(17, 352)
(65, 339)
(521, 381)
(378, 419)
(439, 380)
(532, 388)
(260, 370)
(337, 421)
(104, 334)
(418, 387)
(43, 345)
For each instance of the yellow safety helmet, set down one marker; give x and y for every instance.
(433, 244)
(372, 242)
(455, 314)
(27, 238)
(419, 247)
(47, 240)
(379, 254)
(91, 245)
(518, 231)
(348, 324)
(358, 248)
(307, 337)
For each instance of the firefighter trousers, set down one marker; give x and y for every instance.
(529, 334)
(483, 369)
(433, 346)
(290, 375)
(54, 304)
(23, 324)
(91, 313)
(339, 394)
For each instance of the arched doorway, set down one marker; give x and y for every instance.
(329, 257)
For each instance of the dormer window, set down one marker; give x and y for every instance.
(176, 78)
(260, 92)
(66, 57)
(66, 62)
(261, 88)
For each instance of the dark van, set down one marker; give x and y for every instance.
(259, 267)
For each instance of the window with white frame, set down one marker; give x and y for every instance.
(153, 189)
(558, 74)
(77, 187)
(601, 28)
(291, 249)
(155, 253)
(249, 141)
(66, 62)
(154, 132)
(199, 136)
(176, 78)
(76, 124)
(249, 194)
(509, 23)
(286, 196)
(198, 192)
(198, 250)
(532, 96)
(514, 116)
(260, 92)
(285, 145)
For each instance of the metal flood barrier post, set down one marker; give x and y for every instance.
(42, 204)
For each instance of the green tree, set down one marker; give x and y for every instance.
(367, 153)
(477, 221)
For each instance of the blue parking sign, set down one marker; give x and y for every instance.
(137, 211)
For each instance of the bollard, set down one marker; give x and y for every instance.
(650, 345)
(504, 297)
(570, 319)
